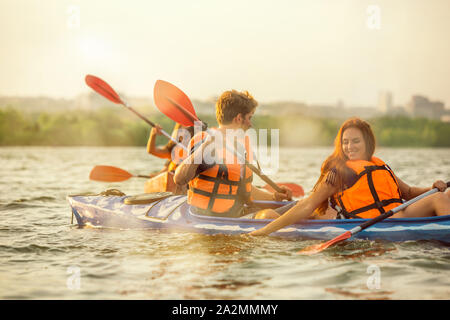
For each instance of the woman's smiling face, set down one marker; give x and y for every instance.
(353, 144)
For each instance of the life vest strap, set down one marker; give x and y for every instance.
(377, 203)
(227, 182)
(211, 195)
(195, 146)
(222, 181)
(369, 169)
(354, 214)
(223, 171)
(393, 178)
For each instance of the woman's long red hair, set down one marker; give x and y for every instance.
(338, 159)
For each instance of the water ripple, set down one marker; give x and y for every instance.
(39, 247)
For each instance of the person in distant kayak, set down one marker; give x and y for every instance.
(222, 186)
(358, 185)
(166, 151)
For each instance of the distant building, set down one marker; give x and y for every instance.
(398, 111)
(385, 102)
(446, 116)
(283, 108)
(420, 106)
(361, 112)
(324, 111)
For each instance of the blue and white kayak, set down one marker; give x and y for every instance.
(174, 214)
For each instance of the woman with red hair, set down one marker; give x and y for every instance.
(358, 185)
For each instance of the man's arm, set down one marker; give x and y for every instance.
(187, 170)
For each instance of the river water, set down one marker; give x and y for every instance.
(43, 256)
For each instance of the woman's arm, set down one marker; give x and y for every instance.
(302, 210)
(408, 192)
(160, 152)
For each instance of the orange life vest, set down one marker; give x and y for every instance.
(172, 166)
(376, 190)
(178, 154)
(223, 188)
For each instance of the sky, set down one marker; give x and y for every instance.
(315, 51)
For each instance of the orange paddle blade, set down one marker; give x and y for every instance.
(297, 190)
(102, 88)
(174, 103)
(322, 246)
(109, 174)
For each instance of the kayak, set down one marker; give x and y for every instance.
(173, 214)
(161, 182)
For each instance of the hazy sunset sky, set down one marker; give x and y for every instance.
(315, 51)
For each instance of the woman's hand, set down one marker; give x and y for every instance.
(156, 130)
(441, 185)
(286, 194)
(258, 232)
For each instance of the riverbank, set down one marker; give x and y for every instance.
(112, 127)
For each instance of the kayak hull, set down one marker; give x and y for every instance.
(174, 214)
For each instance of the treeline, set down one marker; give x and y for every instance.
(111, 127)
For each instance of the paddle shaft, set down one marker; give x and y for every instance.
(153, 125)
(105, 90)
(141, 176)
(252, 167)
(391, 212)
(348, 234)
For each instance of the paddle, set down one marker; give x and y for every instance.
(104, 89)
(175, 104)
(114, 174)
(111, 174)
(297, 190)
(348, 234)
